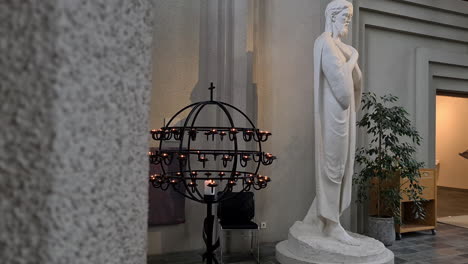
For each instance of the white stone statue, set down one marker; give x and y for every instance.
(337, 94)
(320, 238)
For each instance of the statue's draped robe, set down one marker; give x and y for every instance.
(336, 96)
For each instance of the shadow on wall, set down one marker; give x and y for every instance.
(178, 60)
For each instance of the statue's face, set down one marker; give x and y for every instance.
(342, 21)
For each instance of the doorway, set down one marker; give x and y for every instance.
(452, 157)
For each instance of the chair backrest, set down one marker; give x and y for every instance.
(237, 208)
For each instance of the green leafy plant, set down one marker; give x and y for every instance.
(388, 158)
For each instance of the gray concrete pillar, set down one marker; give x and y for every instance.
(74, 95)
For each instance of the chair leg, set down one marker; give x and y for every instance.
(251, 242)
(256, 256)
(221, 242)
(258, 246)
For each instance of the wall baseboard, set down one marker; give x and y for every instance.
(452, 189)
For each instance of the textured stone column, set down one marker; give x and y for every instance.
(74, 95)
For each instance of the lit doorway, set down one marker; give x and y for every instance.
(451, 159)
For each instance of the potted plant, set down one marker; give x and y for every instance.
(387, 165)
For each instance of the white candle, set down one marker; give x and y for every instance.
(209, 190)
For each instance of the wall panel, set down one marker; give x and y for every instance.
(390, 35)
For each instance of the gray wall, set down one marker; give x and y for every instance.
(201, 42)
(177, 72)
(259, 53)
(288, 30)
(412, 48)
(74, 95)
(399, 42)
(284, 76)
(176, 57)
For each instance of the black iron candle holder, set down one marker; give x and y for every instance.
(186, 180)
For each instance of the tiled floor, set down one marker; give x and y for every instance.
(450, 245)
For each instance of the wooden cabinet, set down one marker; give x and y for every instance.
(409, 223)
(427, 180)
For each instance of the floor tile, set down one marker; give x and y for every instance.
(404, 251)
(400, 261)
(449, 246)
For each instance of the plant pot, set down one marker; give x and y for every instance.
(382, 229)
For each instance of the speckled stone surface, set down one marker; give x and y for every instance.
(382, 228)
(306, 245)
(74, 93)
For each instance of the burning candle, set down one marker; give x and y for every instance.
(222, 134)
(203, 159)
(192, 184)
(263, 135)
(232, 133)
(225, 159)
(210, 188)
(268, 158)
(248, 135)
(156, 134)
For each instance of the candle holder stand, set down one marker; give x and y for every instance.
(208, 227)
(192, 170)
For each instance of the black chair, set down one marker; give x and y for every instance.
(236, 213)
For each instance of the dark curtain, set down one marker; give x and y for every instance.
(165, 207)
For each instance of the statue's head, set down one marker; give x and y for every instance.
(338, 16)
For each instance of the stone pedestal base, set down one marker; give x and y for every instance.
(305, 247)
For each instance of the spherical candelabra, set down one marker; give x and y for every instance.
(227, 169)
